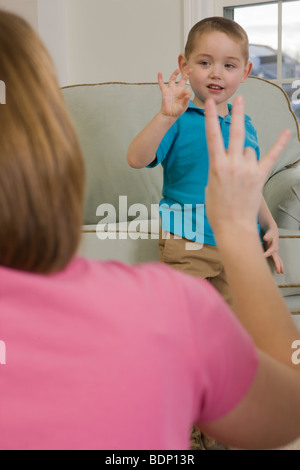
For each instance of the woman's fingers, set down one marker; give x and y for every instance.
(270, 158)
(237, 128)
(237, 137)
(213, 133)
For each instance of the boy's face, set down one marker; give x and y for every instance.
(218, 67)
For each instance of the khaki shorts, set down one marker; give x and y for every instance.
(195, 259)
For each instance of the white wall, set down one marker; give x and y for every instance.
(123, 40)
(94, 41)
(25, 8)
(195, 10)
(52, 24)
(48, 18)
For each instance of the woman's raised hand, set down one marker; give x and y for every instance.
(236, 179)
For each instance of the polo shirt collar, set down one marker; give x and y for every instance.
(227, 118)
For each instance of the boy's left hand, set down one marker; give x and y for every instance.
(271, 245)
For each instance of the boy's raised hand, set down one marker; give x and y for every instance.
(175, 97)
(236, 179)
(271, 246)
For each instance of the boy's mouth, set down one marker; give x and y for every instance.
(213, 86)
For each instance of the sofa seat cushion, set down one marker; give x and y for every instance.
(125, 241)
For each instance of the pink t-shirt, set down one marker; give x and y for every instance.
(109, 356)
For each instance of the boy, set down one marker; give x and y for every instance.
(215, 62)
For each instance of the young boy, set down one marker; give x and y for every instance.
(215, 62)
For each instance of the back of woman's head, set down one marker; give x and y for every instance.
(41, 166)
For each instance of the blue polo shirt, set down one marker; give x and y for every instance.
(184, 156)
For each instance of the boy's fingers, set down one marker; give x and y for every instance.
(267, 237)
(185, 77)
(213, 132)
(187, 96)
(278, 263)
(174, 77)
(268, 161)
(160, 81)
(281, 267)
(268, 252)
(237, 128)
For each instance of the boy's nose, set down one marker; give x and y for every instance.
(215, 71)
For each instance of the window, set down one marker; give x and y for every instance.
(273, 30)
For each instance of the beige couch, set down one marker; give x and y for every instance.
(121, 218)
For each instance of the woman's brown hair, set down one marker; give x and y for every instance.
(41, 165)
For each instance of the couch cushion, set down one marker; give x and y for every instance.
(293, 304)
(107, 117)
(126, 242)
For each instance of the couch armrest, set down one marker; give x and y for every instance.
(289, 251)
(282, 194)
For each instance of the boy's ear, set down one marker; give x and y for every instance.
(182, 62)
(247, 71)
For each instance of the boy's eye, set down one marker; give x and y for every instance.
(204, 63)
(229, 66)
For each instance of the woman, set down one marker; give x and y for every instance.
(87, 368)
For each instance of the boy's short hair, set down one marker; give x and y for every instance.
(218, 23)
